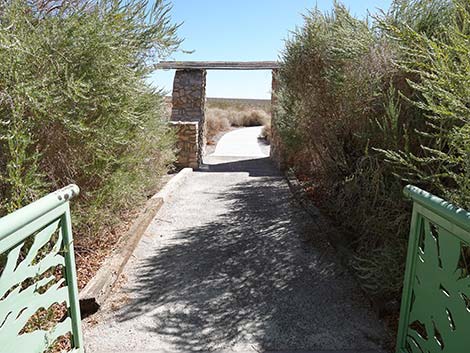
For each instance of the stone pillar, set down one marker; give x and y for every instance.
(187, 135)
(277, 147)
(189, 98)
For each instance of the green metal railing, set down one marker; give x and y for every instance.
(38, 283)
(435, 310)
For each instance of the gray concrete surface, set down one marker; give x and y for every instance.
(231, 264)
(242, 142)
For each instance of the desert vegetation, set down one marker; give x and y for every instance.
(224, 114)
(369, 105)
(75, 108)
(239, 103)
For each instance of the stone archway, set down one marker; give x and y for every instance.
(189, 98)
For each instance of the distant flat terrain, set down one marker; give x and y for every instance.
(233, 103)
(240, 103)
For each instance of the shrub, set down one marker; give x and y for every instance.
(75, 106)
(216, 122)
(440, 162)
(266, 133)
(252, 117)
(352, 108)
(219, 119)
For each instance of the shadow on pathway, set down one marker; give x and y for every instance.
(240, 271)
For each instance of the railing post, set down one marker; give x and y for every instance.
(71, 278)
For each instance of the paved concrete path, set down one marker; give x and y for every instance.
(231, 264)
(242, 142)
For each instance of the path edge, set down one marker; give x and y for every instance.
(343, 251)
(98, 289)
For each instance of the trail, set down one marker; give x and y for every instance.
(231, 264)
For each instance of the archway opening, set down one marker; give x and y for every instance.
(237, 114)
(189, 111)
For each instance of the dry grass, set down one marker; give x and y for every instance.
(266, 132)
(218, 120)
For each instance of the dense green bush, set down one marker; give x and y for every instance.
(369, 105)
(75, 105)
(442, 63)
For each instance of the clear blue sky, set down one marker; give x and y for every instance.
(242, 30)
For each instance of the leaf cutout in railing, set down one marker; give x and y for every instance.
(438, 306)
(28, 284)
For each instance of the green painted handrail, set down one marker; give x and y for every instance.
(441, 207)
(38, 280)
(435, 309)
(14, 221)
